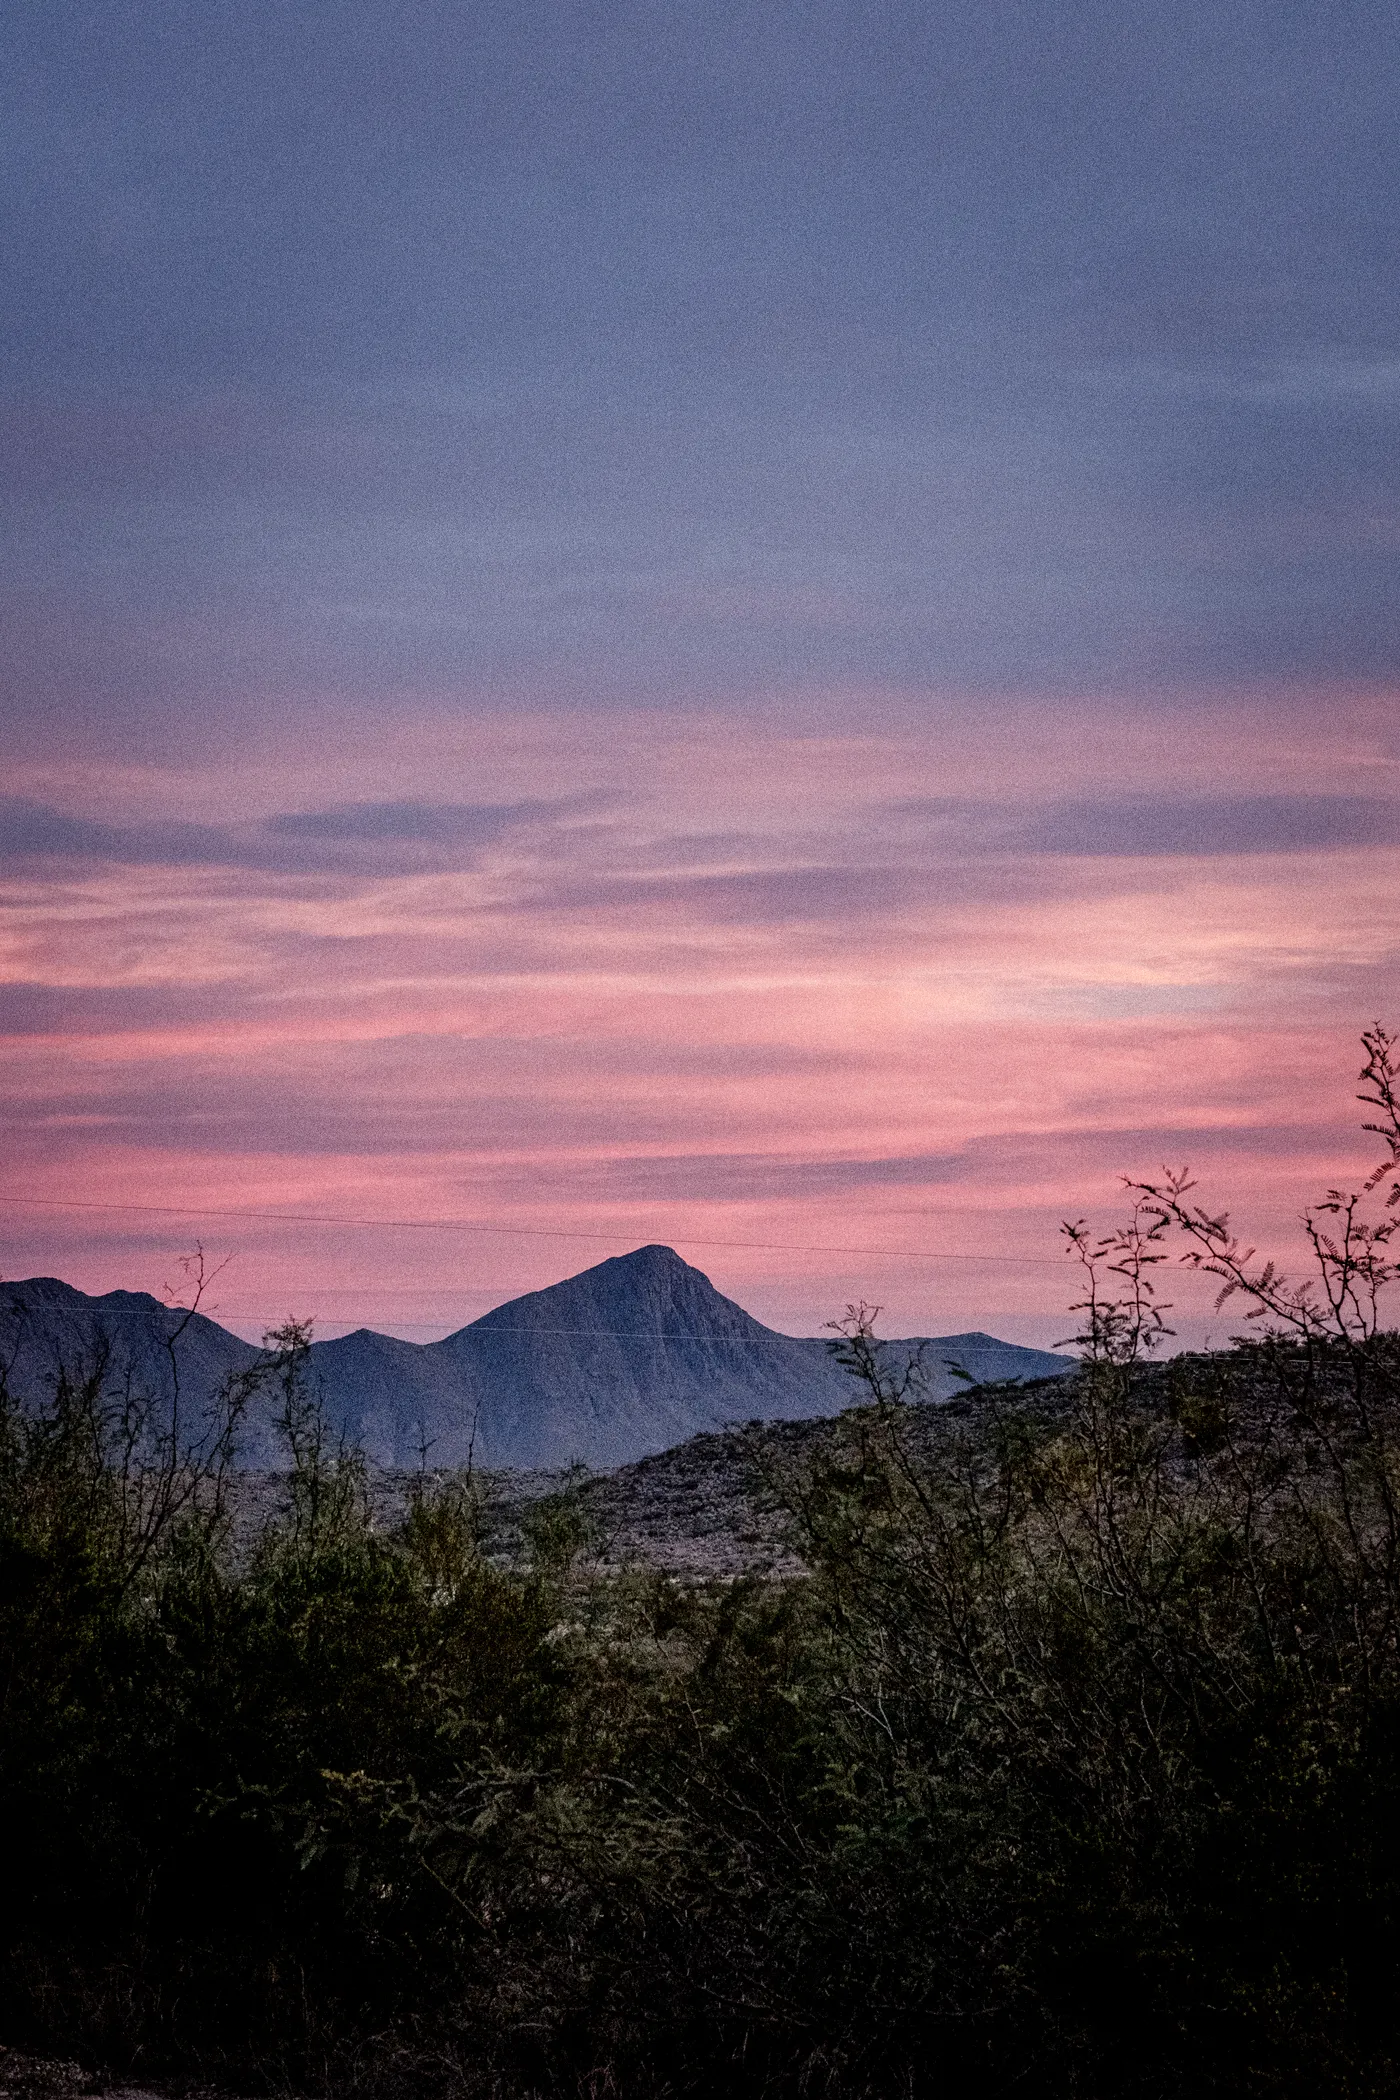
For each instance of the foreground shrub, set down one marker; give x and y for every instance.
(1070, 1766)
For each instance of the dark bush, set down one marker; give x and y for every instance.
(1070, 1767)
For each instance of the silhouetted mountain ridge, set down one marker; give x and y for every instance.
(630, 1357)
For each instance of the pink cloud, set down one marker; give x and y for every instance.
(724, 1004)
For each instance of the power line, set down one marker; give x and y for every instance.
(539, 1232)
(480, 1328)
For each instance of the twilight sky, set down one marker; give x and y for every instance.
(769, 627)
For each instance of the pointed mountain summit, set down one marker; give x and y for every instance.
(629, 1357)
(625, 1359)
(647, 1293)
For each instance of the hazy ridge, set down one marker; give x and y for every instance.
(629, 1358)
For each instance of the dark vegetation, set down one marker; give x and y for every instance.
(1071, 1765)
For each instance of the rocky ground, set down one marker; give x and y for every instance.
(55, 2078)
(702, 1511)
(696, 1512)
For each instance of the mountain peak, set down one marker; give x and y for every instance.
(653, 1259)
(637, 1353)
(652, 1263)
(649, 1291)
(653, 1255)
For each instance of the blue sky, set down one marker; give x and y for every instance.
(665, 354)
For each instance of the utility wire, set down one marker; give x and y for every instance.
(480, 1328)
(538, 1232)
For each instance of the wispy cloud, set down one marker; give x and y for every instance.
(1144, 826)
(371, 839)
(743, 991)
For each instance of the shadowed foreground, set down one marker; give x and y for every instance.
(1069, 1765)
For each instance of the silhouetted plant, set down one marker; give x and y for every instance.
(1070, 1765)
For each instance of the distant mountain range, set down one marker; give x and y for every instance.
(629, 1358)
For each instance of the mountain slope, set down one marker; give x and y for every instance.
(631, 1356)
(628, 1358)
(45, 1324)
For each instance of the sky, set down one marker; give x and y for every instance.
(772, 628)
